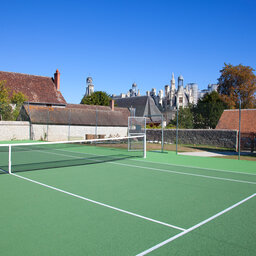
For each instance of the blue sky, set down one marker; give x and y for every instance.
(121, 42)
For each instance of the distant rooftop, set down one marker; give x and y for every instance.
(38, 89)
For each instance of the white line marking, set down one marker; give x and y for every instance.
(163, 170)
(190, 167)
(99, 203)
(194, 227)
(193, 167)
(50, 152)
(185, 173)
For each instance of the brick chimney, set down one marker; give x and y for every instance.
(112, 105)
(57, 79)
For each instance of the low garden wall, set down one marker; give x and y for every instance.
(210, 137)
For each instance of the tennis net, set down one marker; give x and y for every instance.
(45, 155)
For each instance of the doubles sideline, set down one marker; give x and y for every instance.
(195, 226)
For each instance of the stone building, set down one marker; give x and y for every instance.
(171, 97)
(89, 87)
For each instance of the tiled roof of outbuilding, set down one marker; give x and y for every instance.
(94, 107)
(230, 120)
(75, 114)
(38, 89)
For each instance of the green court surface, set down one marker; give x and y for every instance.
(107, 202)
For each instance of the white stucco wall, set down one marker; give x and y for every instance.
(18, 130)
(62, 132)
(14, 130)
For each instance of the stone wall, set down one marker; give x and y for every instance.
(217, 138)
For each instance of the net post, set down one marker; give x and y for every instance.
(10, 159)
(145, 147)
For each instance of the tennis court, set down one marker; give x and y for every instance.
(97, 200)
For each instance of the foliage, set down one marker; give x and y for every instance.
(208, 110)
(185, 118)
(96, 98)
(4, 93)
(153, 126)
(171, 125)
(17, 99)
(238, 82)
(10, 105)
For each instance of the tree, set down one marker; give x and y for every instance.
(208, 110)
(185, 118)
(238, 82)
(5, 107)
(10, 105)
(96, 98)
(17, 99)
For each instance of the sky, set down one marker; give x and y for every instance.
(121, 42)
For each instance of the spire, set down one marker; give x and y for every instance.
(172, 83)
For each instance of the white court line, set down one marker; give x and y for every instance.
(194, 227)
(184, 173)
(193, 167)
(99, 203)
(163, 170)
(156, 169)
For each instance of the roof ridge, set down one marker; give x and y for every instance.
(24, 74)
(241, 109)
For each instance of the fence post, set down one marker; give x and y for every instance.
(96, 124)
(177, 126)
(69, 120)
(239, 141)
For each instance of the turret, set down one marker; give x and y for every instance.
(89, 86)
(172, 83)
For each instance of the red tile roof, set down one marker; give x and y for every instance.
(230, 120)
(38, 89)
